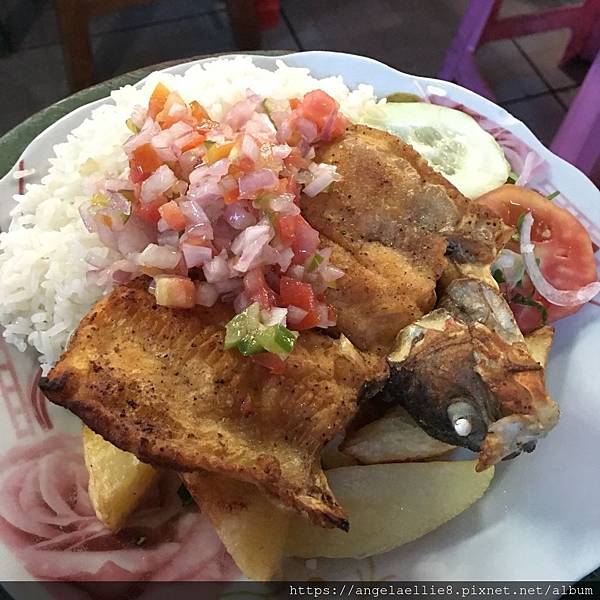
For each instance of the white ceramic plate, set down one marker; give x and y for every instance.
(539, 521)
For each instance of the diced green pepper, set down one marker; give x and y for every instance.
(241, 325)
(314, 262)
(277, 339)
(250, 345)
(132, 126)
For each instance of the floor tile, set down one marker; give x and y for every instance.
(507, 71)
(542, 115)
(568, 96)
(31, 79)
(545, 51)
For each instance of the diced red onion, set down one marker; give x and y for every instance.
(167, 154)
(162, 225)
(295, 315)
(98, 277)
(274, 316)
(98, 258)
(331, 273)
(284, 204)
(224, 234)
(241, 302)
(284, 260)
(157, 184)
(138, 115)
(296, 272)
(307, 129)
(198, 222)
(241, 112)
(107, 236)
(87, 218)
(541, 284)
(217, 269)
(249, 148)
(215, 171)
(261, 127)
(116, 185)
(323, 316)
(133, 238)
(262, 179)
(281, 151)
(160, 257)
(168, 238)
(149, 130)
(196, 256)
(229, 286)
(206, 294)
(323, 176)
(238, 217)
(249, 244)
(120, 203)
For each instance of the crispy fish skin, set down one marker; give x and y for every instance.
(397, 218)
(156, 382)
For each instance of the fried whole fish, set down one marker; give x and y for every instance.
(393, 220)
(156, 382)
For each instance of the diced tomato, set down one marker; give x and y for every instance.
(149, 212)
(166, 119)
(175, 292)
(323, 111)
(293, 187)
(257, 289)
(143, 162)
(339, 126)
(231, 196)
(198, 111)
(270, 361)
(173, 216)
(302, 295)
(158, 99)
(216, 153)
(306, 240)
(294, 103)
(286, 229)
(195, 140)
(295, 159)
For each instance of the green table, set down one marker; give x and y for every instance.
(16, 140)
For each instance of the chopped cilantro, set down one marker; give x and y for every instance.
(516, 236)
(552, 195)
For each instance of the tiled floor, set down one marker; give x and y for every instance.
(411, 35)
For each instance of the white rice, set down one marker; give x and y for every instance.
(42, 256)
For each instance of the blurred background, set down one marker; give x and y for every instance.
(48, 48)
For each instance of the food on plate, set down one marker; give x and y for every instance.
(188, 405)
(252, 528)
(451, 141)
(465, 374)
(396, 437)
(547, 271)
(390, 505)
(118, 480)
(229, 277)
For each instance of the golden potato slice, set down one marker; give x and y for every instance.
(539, 343)
(389, 505)
(250, 526)
(118, 480)
(396, 437)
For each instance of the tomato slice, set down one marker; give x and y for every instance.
(143, 162)
(562, 245)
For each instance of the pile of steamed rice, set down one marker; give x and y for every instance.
(45, 290)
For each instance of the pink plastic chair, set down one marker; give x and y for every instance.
(578, 139)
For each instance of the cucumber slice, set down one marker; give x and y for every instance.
(451, 142)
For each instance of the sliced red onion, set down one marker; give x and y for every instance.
(241, 302)
(217, 269)
(512, 266)
(262, 179)
(238, 217)
(206, 294)
(168, 238)
(157, 184)
(541, 284)
(160, 257)
(249, 244)
(275, 316)
(295, 315)
(196, 256)
(323, 176)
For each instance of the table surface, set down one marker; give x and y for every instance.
(16, 140)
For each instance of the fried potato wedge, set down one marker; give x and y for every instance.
(390, 505)
(251, 527)
(396, 437)
(539, 343)
(118, 480)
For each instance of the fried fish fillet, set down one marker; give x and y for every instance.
(393, 219)
(156, 382)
